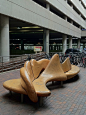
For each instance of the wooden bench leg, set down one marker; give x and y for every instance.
(40, 101)
(22, 98)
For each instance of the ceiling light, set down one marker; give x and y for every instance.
(31, 27)
(18, 27)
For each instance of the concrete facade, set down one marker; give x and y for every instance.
(66, 17)
(46, 41)
(70, 42)
(4, 37)
(29, 11)
(64, 43)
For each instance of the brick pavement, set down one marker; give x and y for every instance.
(67, 100)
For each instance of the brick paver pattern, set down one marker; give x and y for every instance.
(67, 100)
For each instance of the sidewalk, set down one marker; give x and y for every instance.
(68, 100)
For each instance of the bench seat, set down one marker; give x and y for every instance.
(69, 69)
(14, 85)
(73, 72)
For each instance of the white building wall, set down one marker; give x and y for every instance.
(68, 11)
(29, 11)
(79, 6)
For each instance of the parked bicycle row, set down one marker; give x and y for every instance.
(75, 59)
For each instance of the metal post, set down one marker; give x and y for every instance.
(40, 101)
(13, 61)
(52, 82)
(10, 93)
(61, 83)
(2, 63)
(21, 60)
(21, 57)
(21, 98)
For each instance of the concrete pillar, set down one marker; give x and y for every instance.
(65, 17)
(66, 1)
(78, 45)
(4, 37)
(71, 21)
(46, 35)
(22, 45)
(48, 6)
(71, 5)
(80, 14)
(46, 40)
(80, 27)
(72, 8)
(64, 43)
(70, 42)
(83, 45)
(80, 1)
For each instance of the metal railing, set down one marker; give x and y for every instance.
(17, 61)
(12, 62)
(75, 59)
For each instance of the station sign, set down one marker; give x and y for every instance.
(37, 48)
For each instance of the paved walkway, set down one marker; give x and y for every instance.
(68, 100)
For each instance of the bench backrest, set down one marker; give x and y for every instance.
(27, 85)
(34, 67)
(66, 65)
(53, 71)
(38, 66)
(28, 68)
(29, 73)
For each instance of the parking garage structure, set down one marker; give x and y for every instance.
(57, 20)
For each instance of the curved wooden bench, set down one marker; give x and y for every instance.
(32, 83)
(69, 69)
(53, 72)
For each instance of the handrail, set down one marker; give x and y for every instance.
(17, 61)
(12, 62)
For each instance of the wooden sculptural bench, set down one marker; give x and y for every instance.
(33, 82)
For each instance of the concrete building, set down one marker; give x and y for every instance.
(62, 18)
